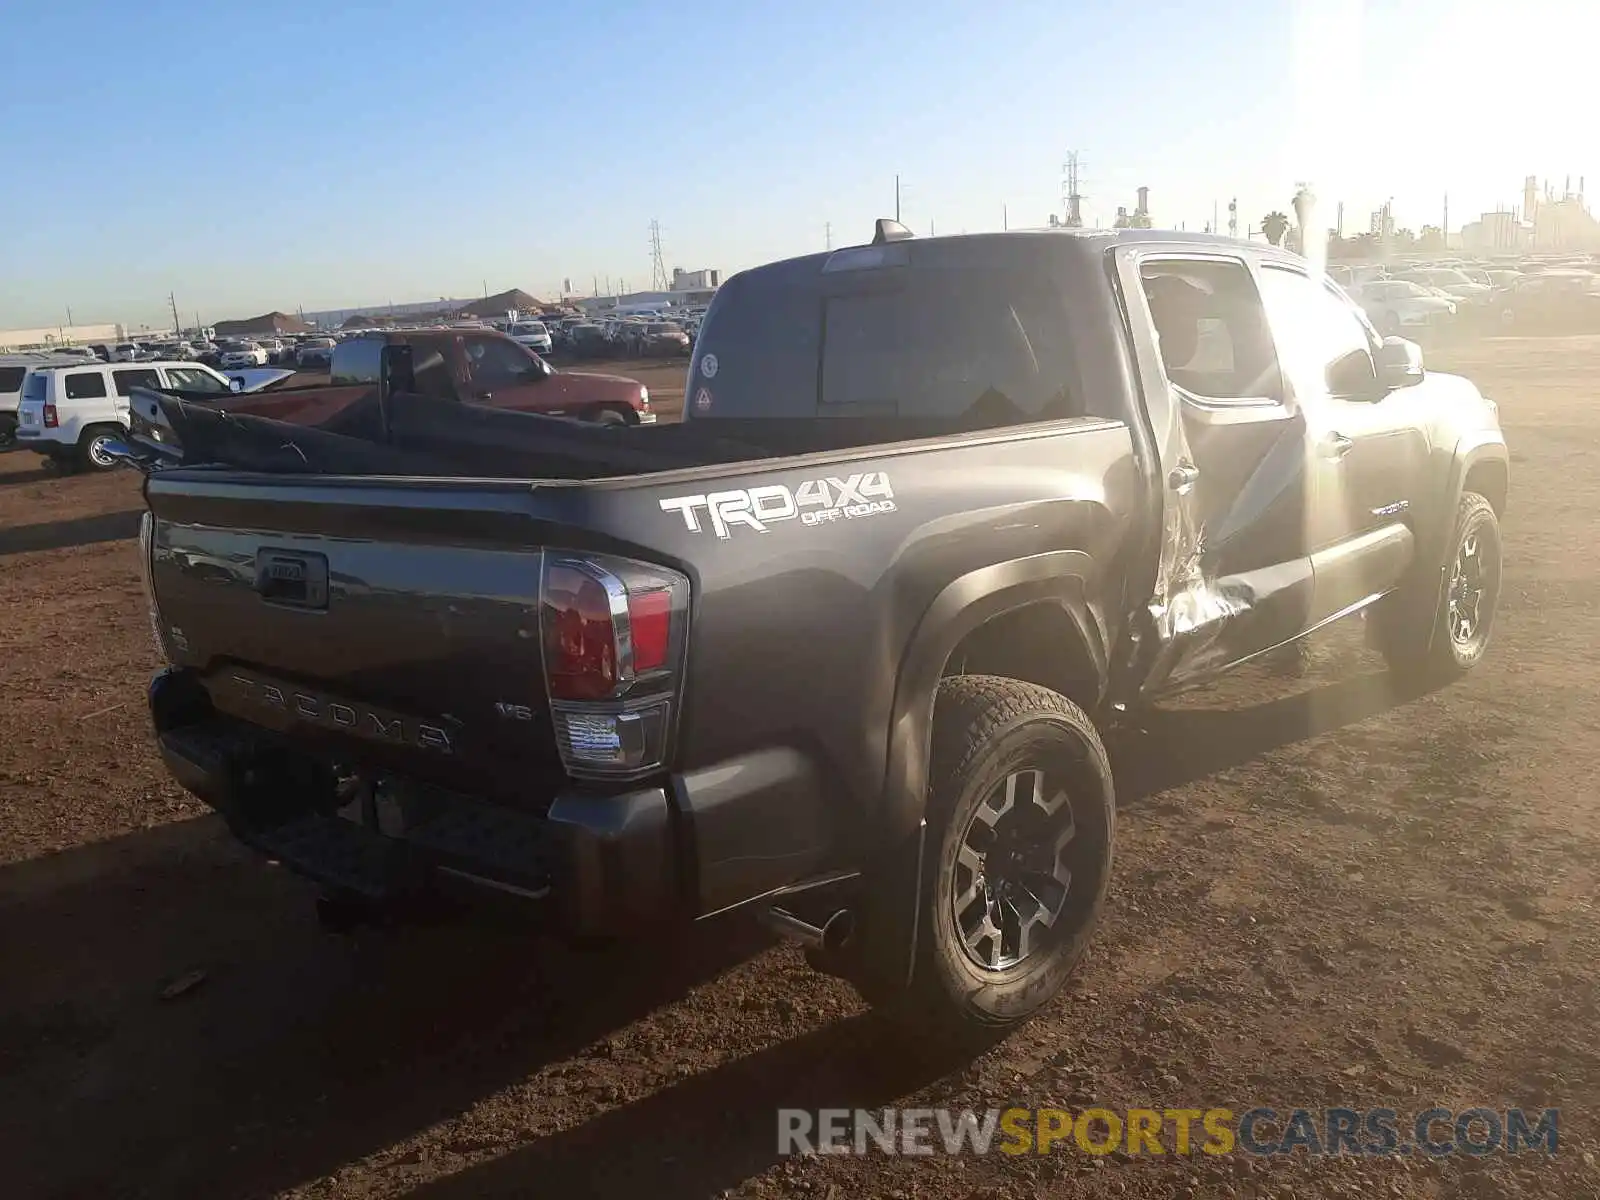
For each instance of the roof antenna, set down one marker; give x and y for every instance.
(890, 231)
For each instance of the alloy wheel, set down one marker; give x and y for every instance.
(1013, 877)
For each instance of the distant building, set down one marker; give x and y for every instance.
(704, 280)
(1498, 232)
(266, 323)
(60, 335)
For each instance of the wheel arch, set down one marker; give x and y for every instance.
(1031, 618)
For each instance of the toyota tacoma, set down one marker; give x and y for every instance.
(840, 646)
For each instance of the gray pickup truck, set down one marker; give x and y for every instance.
(838, 646)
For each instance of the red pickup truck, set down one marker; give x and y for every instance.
(480, 366)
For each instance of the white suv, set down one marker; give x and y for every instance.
(70, 413)
(14, 370)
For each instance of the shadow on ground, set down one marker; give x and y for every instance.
(59, 535)
(302, 1052)
(1171, 747)
(35, 475)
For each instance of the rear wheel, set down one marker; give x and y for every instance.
(92, 454)
(1022, 819)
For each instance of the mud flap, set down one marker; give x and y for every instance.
(881, 957)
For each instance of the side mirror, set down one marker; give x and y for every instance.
(1399, 363)
(236, 384)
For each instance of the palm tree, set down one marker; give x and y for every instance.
(1275, 225)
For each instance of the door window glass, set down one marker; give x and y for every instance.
(1324, 344)
(492, 363)
(1213, 335)
(86, 385)
(191, 379)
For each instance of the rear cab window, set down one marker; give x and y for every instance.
(974, 333)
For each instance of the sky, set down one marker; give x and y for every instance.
(247, 158)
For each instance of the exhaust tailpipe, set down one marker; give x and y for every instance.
(828, 938)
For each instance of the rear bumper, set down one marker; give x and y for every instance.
(595, 864)
(696, 843)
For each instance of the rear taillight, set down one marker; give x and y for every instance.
(613, 634)
(51, 420)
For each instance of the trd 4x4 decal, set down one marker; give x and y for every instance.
(814, 502)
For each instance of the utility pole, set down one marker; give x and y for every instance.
(1233, 217)
(485, 289)
(1216, 225)
(177, 325)
(827, 235)
(897, 198)
(1005, 217)
(1444, 230)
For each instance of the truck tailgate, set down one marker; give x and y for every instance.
(384, 619)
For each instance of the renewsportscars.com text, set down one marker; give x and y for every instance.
(1434, 1132)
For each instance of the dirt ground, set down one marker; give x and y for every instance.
(1326, 894)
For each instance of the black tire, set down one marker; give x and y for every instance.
(987, 731)
(607, 416)
(1420, 627)
(90, 456)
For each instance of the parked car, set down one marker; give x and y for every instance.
(246, 354)
(71, 413)
(663, 338)
(318, 352)
(14, 370)
(840, 646)
(1400, 306)
(532, 334)
(1448, 282)
(1552, 301)
(589, 341)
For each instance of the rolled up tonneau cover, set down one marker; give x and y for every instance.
(425, 437)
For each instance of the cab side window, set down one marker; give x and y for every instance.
(492, 363)
(1325, 344)
(1212, 330)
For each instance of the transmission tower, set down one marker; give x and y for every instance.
(658, 267)
(1070, 193)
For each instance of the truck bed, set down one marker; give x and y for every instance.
(411, 435)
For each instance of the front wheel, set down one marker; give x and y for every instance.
(609, 417)
(1022, 822)
(1432, 633)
